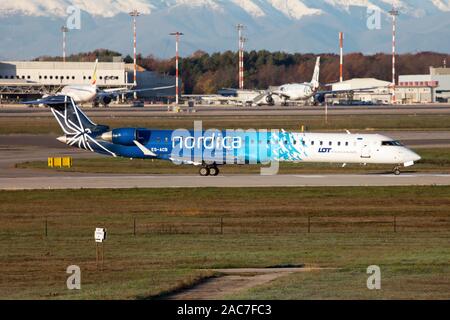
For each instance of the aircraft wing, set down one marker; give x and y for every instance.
(117, 91)
(319, 96)
(50, 100)
(348, 90)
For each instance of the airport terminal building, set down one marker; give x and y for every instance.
(31, 79)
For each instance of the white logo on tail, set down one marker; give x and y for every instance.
(77, 134)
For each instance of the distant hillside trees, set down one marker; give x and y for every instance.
(206, 73)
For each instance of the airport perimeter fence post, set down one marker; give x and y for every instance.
(134, 227)
(309, 224)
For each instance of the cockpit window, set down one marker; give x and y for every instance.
(391, 143)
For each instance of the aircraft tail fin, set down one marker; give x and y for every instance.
(315, 77)
(94, 73)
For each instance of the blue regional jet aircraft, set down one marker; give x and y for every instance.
(211, 148)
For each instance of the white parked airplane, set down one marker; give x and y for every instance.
(303, 91)
(90, 93)
(297, 91)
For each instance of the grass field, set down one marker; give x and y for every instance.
(47, 124)
(433, 160)
(178, 240)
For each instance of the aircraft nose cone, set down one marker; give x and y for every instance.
(412, 156)
(416, 157)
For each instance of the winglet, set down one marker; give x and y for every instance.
(145, 150)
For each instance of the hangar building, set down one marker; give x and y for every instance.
(367, 90)
(425, 88)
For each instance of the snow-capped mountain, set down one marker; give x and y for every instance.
(30, 28)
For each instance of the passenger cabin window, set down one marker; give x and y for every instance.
(391, 143)
(339, 143)
(312, 143)
(330, 143)
(321, 143)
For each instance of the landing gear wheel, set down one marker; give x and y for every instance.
(214, 171)
(397, 171)
(204, 171)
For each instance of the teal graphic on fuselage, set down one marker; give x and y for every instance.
(291, 146)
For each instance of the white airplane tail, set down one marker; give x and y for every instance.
(315, 77)
(94, 74)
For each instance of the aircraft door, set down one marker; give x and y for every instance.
(365, 151)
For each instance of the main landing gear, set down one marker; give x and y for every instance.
(396, 171)
(209, 171)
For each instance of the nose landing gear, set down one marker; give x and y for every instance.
(396, 171)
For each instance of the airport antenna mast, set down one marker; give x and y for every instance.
(394, 13)
(134, 14)
(64, 30)
(177, 83)
(341, 56)
(239, 28)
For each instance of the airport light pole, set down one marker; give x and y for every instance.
(177, 40)
(64, 30)
(394, 13)
(134, 14)
(341, 56)
(239, 28)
